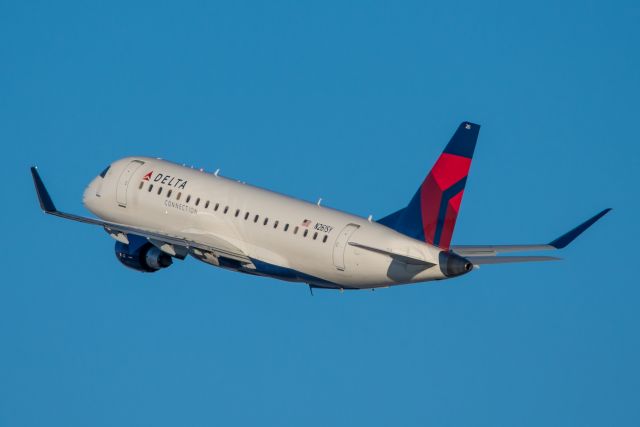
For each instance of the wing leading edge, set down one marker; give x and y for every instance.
(486, 254)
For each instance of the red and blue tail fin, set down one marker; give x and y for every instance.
(431, 215)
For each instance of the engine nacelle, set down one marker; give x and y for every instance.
(141, 255)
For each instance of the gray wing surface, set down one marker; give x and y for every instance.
(215, 244)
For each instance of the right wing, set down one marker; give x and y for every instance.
(407, 259)
(175, 245)
(486, 254)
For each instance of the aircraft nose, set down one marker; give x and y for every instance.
(453, 265)
(90, 193)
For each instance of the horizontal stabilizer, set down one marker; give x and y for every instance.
(568, 237)
(559, 243)
(480, 260)
(492, 250)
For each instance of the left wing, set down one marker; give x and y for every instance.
(174, 245)
(486, 254)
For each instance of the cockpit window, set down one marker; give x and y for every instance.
(104, 172)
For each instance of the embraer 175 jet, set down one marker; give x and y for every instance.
(158, 210)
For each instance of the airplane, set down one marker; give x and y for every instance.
(159, 211)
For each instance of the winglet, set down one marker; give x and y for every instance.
(568, 237)
(43, 195)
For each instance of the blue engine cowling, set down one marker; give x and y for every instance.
(141, 255)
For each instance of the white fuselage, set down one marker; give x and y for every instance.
(284, 237)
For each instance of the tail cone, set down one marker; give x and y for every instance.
(453, 265)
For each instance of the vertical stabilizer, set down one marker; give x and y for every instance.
(431, 215)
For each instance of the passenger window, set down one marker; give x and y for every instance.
(169, 193)
(178, 196)
(237, 213)
(295, 230)
(315, 235)
(226, 209)
(206, 205)
(286, 227)
(255, 219)
(266, 220)
(141, 185)
(324, 239)
(246, 215)
(217, 206)
(159, 191)
(197, 201)
(188, 198)
(275, 224)
(150, 187)
(305, 233)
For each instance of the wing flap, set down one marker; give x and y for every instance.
(214, 243)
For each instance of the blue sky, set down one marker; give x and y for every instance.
(351, 102)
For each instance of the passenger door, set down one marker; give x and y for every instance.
(341, 245)
(123, 182)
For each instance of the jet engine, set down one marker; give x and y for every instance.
(141, 255)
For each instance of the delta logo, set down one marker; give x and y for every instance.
(164, 179)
